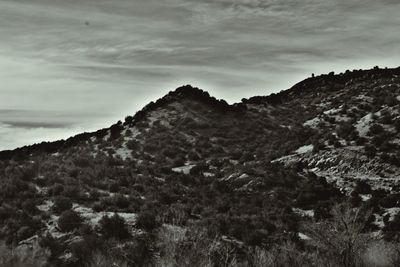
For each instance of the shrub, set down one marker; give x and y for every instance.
(114, 226)
(99, 259)
(121, 201)
(128, 120)
(69, 220)
(397, 124)
(394, 225)
(339, 241)
(370, 151)
(61, 204)
(11, 258)
(114, 187)
(81, 161)
(115, 130)
(390, 201)
(362, 187)
(347, 130)
(133, 144)
(56, 189)
(147, 221)
(25, 232)
(375, 129)
(379, 139)
(72, 191)
(29, 206)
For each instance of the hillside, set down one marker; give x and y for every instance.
(190, 167)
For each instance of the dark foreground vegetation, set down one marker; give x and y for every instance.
(341, 240)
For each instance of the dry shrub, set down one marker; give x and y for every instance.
(339, 241)
(99, 259)
(381, 254)
(168, 239)
(22, 257)
(193, 248)
(282, 255)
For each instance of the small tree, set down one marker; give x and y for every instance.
(340, 240)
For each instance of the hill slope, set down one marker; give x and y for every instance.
(249, 171)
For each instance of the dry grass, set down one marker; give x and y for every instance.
(22, 257)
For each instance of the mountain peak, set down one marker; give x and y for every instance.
(181, 93)
(194, 93)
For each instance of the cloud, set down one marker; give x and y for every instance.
(72, 75)
(12, 136)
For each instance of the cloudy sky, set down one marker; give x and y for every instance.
(68, 66)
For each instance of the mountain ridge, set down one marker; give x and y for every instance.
(194, 93)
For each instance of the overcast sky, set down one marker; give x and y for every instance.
(68, 66)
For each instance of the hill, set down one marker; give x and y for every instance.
(195, 171)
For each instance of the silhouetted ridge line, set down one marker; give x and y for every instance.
(323, 83)
(183, 92)
(329, 82)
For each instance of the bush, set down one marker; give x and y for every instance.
(69, 220)
(340, 240)
(375, 129)
(128, 120)
(114, 226)
(72, 191)
(390, 201)
(347, 130)
(29, 206)
(394, 225)
(31, 258)
(147, 221)
(133, 144)
(114, 187)
(370, 151)
(121, 201)
(61, 204)
(25, 232)
(56, 189)
(362, 187)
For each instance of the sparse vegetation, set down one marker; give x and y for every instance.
(191, 180)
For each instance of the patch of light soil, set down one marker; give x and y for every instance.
(46, 206)
(313, 123)
(333, 111)
(303, 213)
(363, 124)
(94, 217)
(365, 197)
(304, 149)
(183, 169)
(303, 236)
(123, 152)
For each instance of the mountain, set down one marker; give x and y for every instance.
(250, 175)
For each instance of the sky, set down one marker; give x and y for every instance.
(68, 66)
